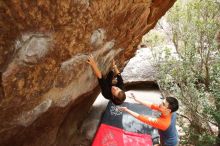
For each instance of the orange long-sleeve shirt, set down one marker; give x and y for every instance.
(162, 123)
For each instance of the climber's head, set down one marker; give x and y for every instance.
(118, 95)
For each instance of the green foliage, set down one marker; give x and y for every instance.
(193, 77)
(154, 39)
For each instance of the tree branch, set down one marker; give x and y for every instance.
(185, 117)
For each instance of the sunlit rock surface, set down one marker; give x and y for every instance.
(46, 88)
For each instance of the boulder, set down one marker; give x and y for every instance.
(46, 86)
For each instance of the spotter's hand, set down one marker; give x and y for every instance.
(132, 96)
(122, 108)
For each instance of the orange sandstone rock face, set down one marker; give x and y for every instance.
(46, 88)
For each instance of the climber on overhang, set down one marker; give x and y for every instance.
(110, 88)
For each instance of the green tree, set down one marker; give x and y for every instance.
(194, 76)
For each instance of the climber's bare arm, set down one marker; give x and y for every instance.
(114, 66)
(91, 61)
